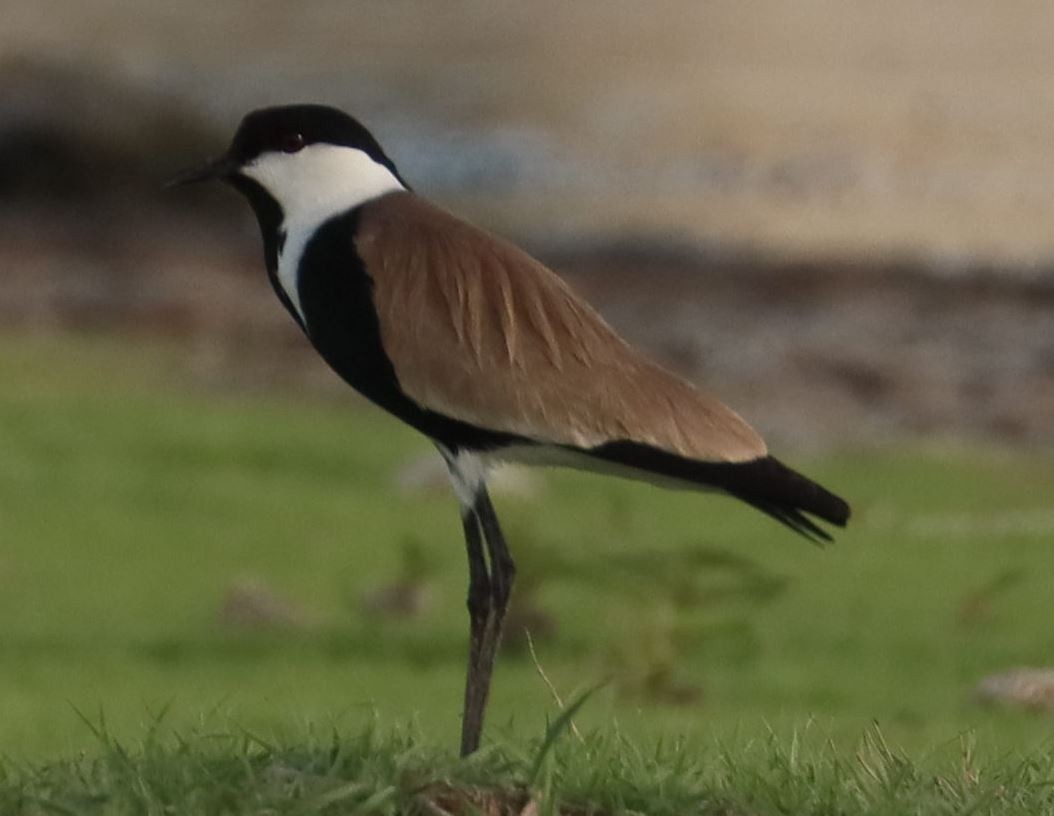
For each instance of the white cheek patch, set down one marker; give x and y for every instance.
(311, 186)
(321, 180)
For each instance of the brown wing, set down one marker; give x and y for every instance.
(478, 330)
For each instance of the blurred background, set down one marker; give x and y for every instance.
(836, 215)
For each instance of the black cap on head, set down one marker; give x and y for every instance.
(288, 129)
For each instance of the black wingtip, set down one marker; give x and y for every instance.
(786, 495)
(794, 519)
(807, 494)
(764, 483)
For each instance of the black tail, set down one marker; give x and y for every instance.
(764, 483)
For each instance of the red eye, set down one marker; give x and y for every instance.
(292, 142)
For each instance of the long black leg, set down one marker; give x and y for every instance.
(502, 567)
(481, 661)
(477, 683)
(489, 587)
(488, 599)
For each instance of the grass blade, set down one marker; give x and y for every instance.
(555, 729)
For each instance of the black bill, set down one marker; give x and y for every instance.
(220, 168)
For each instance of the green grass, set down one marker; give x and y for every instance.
(604, 772)
(129, 503)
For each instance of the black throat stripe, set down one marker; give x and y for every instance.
(269, 216)
(336, 296)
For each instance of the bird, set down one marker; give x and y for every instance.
(480, 347)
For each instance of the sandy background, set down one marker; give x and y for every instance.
(838, 214)
(848, 127)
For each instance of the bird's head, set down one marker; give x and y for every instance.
(310, 160)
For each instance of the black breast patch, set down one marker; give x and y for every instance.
(336, 296)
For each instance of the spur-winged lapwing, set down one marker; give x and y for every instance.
(479, 347)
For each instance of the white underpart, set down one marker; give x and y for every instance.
(313, 185)
(468, 472)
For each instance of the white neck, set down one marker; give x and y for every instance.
(320, 181)
(311, 186)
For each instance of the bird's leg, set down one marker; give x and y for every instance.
(502, 574)
(502, 567)
(488, 599)
(477, 684)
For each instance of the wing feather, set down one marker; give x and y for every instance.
(478, 330)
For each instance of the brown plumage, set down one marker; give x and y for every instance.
(478, 330)
(480, 347)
